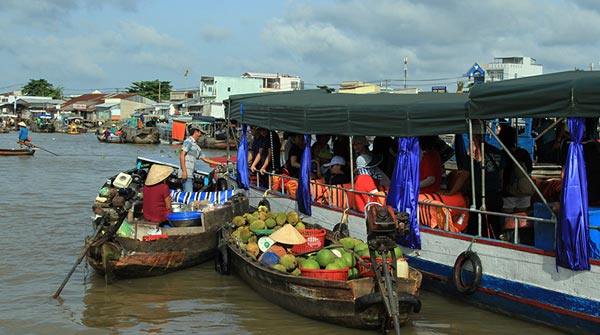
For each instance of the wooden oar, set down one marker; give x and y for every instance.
(38, 147)
(85, 249)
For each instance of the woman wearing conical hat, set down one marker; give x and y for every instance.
(284, 238)
(157, 200)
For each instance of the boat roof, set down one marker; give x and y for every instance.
(563, 94)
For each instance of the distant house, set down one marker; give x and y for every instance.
(503, 68)
(213, 90)
(94, 106)
(276, 82)
(358, 87)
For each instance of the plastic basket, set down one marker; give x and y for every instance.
(367, 271)
(315, 240)
(325, 274)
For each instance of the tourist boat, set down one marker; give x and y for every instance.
(341, 302)
(127, 246)
(17, 152)
(531, 282)
(214, 132)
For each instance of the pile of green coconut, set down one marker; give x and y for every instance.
(248, 228)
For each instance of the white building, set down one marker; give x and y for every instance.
(276, 82)
(503, 68)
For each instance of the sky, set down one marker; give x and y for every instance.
(107, 45)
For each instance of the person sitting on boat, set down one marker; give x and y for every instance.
(284, 239)
(365, 183)
(360, 144)
(23, 138)
(320, 150)
(294, 159)
(273, 155)
(335, 173)
(157, 199)
(516, 198)
(259, 153)
(113, 128)
(430, 169)
(190, 153)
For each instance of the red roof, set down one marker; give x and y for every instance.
(95, 99)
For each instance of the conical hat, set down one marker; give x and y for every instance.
(288, 235)
(157, 174)
(22, 124)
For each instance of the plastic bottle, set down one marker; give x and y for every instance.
(402, 268)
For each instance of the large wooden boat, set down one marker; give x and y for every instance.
(525, 281)
(341, 302)
(17, 152)
(144, 250)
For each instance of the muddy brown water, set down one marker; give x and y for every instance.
(45, 213)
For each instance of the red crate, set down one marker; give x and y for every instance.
(315, 240)
(325, 274)
(366, 271)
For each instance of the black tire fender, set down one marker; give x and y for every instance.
(222, 256)
(468, 287)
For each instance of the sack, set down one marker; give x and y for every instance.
(519, 186)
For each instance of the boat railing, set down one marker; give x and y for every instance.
(343, 197)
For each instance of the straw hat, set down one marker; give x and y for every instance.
(22, 124)
(157, 174)
(288, 235)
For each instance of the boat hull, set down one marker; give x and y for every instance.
(331, 301)
(519, 281)
(17, 152)
(179, 247)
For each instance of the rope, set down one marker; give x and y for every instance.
(472, 242)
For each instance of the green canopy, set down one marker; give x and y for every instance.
(564, 94)
(382, 114)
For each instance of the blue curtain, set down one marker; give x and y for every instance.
(460, 153)
(572, 234)
(243, 179)
(303, 192)
(404, 188)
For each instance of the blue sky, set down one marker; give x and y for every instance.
(108, 44)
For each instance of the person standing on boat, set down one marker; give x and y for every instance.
(157, 199)
(190, 153)
(23, 134)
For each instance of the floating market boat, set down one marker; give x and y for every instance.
(352, 303)
(132, 247)
(111, 138)
(554, 281)
(17, 152)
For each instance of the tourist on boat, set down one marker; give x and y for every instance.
(341, 147)
(272, 161)
(294, 159)
(494, 164)
(157, 199)
(320, 150)
(190, 153)
(23, 138)
(387, 147)
(260, 146)
(335, 173)
(364, 181)
(517, 189)
(430, 169)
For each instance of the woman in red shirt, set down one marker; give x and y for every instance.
(430, 169)
(157, 200)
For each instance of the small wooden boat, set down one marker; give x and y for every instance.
(112, 138)
(142, 249)
(17, 152)
(348, 303)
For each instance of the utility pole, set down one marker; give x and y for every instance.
(405, 68)
(158, 90)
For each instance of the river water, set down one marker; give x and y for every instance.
(45, 214)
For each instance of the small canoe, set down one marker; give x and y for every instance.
(349, 303)
(17, 152)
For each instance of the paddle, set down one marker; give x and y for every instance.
(85, 249)
(38, 147)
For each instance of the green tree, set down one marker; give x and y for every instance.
(42, 88)
(153, 90)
